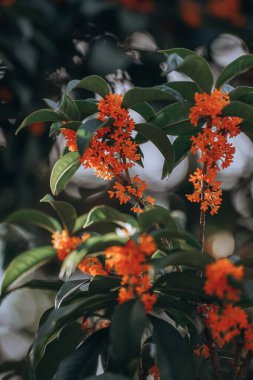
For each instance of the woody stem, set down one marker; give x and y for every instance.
(213, 355)
(202, 220)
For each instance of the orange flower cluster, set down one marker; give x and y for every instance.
(112, 152)
(144, 6)
(212, 143)
(203, 351)
(217, 283)
(92, 324)
(129, 261)
(93, 266)
(191, 13)
(229, 321)
(64, 244)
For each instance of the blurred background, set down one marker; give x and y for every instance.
(44, 44)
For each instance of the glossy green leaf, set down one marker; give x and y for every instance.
(186, 88)
(35, 217)
(65, 211)
(71, 85)
(171, 235)
(156, 216)
(59, 318)
(95, 84)
(80, 222)
(106, 214)
(145, 110)
(174, 356)
(59, 350)
(234, 69)
(103, 284)
(159, 138)
(181, 147)
(83, 361)
(85, 134)
(68, 107)
(127, 327)
(182, 52)
(25, 263)
(170, 115)
(239, 109)
(87, 107)
(63, 170)
(192, 259)
(194, 66)
(42, 115)
(239, 92)
(68, 289)
(139, 95)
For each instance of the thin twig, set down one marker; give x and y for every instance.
(213, 355)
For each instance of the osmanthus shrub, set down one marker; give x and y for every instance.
(152, 303)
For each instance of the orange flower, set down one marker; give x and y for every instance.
(215, 151)
(226, 325)
(203, 351)
(191, 13)
(37, 129)
(217, 279)
(112, 151)
(64, 244)
(92, 266)
(129, 262)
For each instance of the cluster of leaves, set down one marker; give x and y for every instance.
(134, 341)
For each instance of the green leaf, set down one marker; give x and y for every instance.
(174, 356)
(71, 85)
(159, 138)
(63, 170)
(156, 216)
(106, 214)
(65, 210)
(183, 285)
(181, 147)
(25, 263)
(194, 66)
(85, 134)
(42, 115)
(171, 235)
(68, 107)
(239, 92)
(192, 259)
(127, 327)
(103, 284)
(139, 95)
(86, 107)
(186, 88)
(246, 261)
(59, 318)
(171, 115)
(145, 110)
(35, 217)
(80, 222)
(239, 109)
(95, 84)
(183, 53)
(59, 350)
(234, 69)
(83, 361)
(68, 289)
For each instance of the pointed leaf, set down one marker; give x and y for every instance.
(65, 210)
(95, 84)
(42, 115)
(25, 263)
(145, 110)
(139, 95)
(67, 290)
(68, 107)
(192, 259)
(234, 69)
(107, 214)
(36, 217)
(63, 170)
(239, 109)
(182, 52)
(156, 216)
(171, 235)
(80, 222)
(103, 284)
(127, 327)
(159, 138)
(181, 147)
(85, 134)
